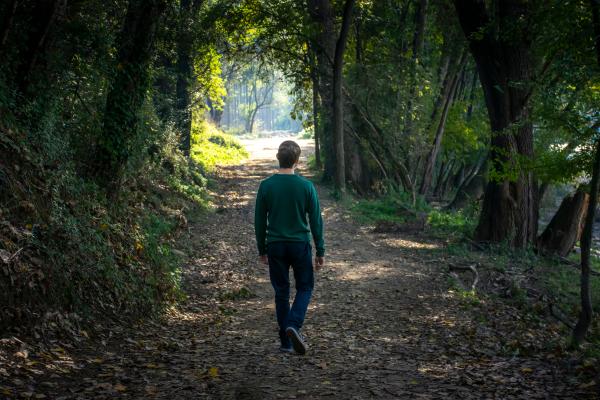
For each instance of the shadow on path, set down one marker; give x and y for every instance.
(382, 324)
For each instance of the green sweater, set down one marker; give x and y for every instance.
(282, 204)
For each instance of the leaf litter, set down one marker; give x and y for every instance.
(382, 324)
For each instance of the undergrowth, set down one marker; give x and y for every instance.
(210, 146)
(526, 270)
(397, 207)
(68, 257)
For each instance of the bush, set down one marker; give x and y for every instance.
(64, 248)
(451, 223)
(210, 146)
(394, 206)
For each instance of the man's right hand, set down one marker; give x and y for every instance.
(318, 263)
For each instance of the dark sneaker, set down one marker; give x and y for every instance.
(286, 349)
(297, 340)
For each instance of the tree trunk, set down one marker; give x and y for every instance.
(184, 75)
(316, 107)
(469, 193)
(127, 93)
(417, 49)
(471, 188)
(565, 228)
(585, 317)
(338, 99)
(469, 115)
(362, 166)
(509, 212)
(375, 137)
(444, 178)
(323, 16)
(250, 127)
(439, 134)
(215, 114)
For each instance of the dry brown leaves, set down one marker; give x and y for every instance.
(382, 324)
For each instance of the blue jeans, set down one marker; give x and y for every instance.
(281, 256)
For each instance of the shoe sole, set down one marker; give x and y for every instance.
(297, 343)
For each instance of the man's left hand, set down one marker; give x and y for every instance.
(264, 259)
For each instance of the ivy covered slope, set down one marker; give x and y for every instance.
(95, 132)
(67, 251)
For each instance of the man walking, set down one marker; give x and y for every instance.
(283, 202)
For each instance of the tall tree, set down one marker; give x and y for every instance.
(184, 75)
(417, 51)
(338, 97)
(585, 316)
(127, 93)
(324, 42)
(316, 106)
(449, 88)
(500, 41)
(261, 95)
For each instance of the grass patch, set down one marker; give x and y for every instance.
(452, 223)
(212, 147)
(563, 282)
(391, 207)
(397, 207)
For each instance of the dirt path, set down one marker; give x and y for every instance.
(382, 323)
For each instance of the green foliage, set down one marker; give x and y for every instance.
(465, 136)
(563, 281)
(81, 256)
(311, 163)
(210, 82)
(397, 207)
(211, 147)
(306, 134)
(461, 223)
(389, 207)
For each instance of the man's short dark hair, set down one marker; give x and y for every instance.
(288, 154)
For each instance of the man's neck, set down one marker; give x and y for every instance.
(286, 171)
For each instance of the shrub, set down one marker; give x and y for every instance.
(64, 248)
(210, 146)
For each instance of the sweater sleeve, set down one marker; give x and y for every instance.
(316, 221)
(260, 222)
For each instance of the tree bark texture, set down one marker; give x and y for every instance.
(338, 98)
(127, 93)
(504, 62)
(585, 316)
(417, 50)
(322, 15)
(565, 228)
(184, 76)
(316, 125)
(448, 97)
